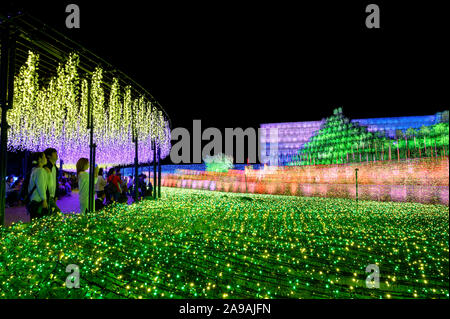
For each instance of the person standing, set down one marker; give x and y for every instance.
(67, 186)
(142, 185)
(101, 183)
(150, 188)
(123, 197)
(53, 173)
(83, 183)
(9, 183)
(115, 181)
(130, 185)
(9, 190)
(37, 186)
(100, 201)
(14, 197)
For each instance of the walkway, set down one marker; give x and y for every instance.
(67, 204)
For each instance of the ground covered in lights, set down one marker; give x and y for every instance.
(200, 244)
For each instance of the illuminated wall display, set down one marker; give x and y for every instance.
(295, 136)
(424, 181)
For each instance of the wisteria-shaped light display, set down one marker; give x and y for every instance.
(55, 116)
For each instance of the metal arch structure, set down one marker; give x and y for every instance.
(23, 32)
(55, 47)
(7, 61)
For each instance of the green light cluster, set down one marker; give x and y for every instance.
(200, 244)
(220, 163)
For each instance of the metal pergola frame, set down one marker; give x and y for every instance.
(23, 32)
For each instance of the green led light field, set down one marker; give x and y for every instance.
(200, 244)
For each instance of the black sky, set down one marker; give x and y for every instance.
(232, 65)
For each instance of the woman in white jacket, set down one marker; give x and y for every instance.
(37, 187)
(83, 183)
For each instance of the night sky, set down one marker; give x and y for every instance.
(239, 66)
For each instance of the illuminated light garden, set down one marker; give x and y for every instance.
(198, 244)
(345, 194)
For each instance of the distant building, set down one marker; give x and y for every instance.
(293, 135)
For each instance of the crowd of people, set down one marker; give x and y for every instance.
(40, 189)
(112, 189)
(116, 188)
(13, 187)
(64, 187)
